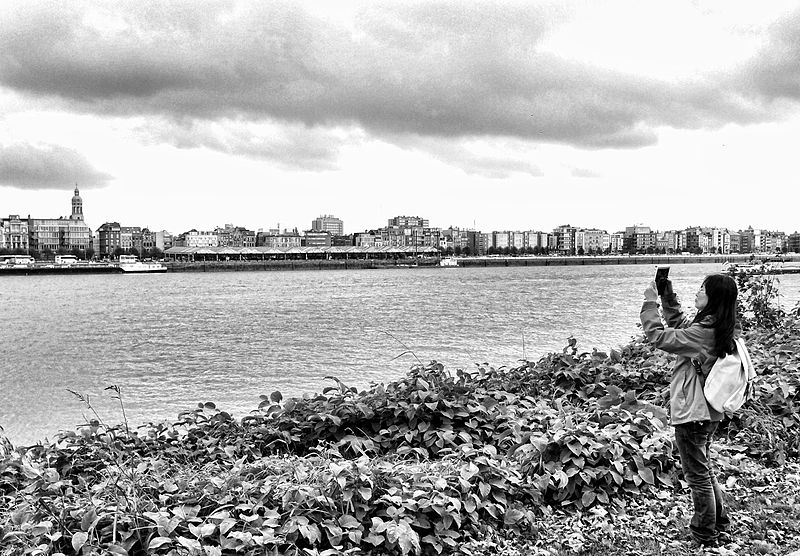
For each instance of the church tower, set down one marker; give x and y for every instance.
(77, 205)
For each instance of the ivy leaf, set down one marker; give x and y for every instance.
(158, 542)
(349, 522)
(78, 540)
(88, 519)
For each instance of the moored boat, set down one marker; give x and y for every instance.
(449, 261)
(130, 263)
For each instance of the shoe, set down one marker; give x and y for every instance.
(706, 543)
(724, 537)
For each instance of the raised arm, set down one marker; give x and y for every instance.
(680, 341)
(672, 310)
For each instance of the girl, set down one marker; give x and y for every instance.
(697, 342)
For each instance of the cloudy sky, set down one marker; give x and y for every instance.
(493, 115)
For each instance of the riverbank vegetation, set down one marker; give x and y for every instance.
(570, 454)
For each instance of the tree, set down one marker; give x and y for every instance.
(581, 251)
(156, 253)
(89, 253)
(492, 250)
(117, 252)
(458, 250)
(466, 251)
(134, 251)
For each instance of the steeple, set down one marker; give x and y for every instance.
(77, 205)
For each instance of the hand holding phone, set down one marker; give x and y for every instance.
(662, 278)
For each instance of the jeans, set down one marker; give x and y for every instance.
(710, 515)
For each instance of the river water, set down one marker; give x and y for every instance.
(170, 341)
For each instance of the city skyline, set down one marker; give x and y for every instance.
(265, 114)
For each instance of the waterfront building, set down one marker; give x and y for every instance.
(720, 240)
(617, 242)
(538, 241)
(62, 233)
(314, 238)
(500, 240)
(371, 238)
(639, 239)
(431, 237)
(750, 240)
(477, 242)
(328, 223)
(235, 236)
(195, 238)
(280, 240)
(455, 239)
(592, 241)
(155, 240)
(565, 239)
(14, 233)
(516, 240)
(665, 242)
(736, 242)
(130, 238)
(344, 240)
(793, 243)
(394, 236)
(108, 239)
(408, 222)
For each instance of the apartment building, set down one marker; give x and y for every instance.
(108, 239)
(328, 223)
(793, 243)
(408, 222)
(592, 241)
(565, 239)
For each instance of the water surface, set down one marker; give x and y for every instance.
(173, 340)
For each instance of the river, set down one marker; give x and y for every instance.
(170, 341)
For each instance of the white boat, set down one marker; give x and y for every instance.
(448, 261)
(130, 263)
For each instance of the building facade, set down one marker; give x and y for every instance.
(14, 233)
(328, 223)
(63, 233)
(316, 239)
(235, 236)
(108, 239)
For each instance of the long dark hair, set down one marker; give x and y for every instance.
(720, 312)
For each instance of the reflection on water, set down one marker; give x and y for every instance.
(173, 340)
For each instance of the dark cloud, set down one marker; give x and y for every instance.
(775, 72)
(25, 166)
(438, 69)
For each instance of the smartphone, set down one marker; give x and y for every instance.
(662, 275)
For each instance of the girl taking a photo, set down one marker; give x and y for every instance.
(697, 342)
